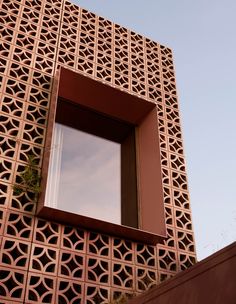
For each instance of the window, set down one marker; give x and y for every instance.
(92, 107)
(84, 174)
(92, 168)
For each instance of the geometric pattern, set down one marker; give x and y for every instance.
(46, 262)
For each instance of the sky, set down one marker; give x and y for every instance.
(202, 36)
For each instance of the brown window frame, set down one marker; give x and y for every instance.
(76, 89)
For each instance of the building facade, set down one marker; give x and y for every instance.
(46, 260)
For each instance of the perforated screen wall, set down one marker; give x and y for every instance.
(44, 261)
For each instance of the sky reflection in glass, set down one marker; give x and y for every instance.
(89, 181)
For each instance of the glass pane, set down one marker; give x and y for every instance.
(89, 177)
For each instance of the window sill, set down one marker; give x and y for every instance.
(96, 225)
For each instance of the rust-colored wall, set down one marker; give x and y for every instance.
(44, 261)
(211, 281)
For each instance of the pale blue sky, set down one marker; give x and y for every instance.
(203, 38)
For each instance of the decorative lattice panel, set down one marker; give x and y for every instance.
(46, 262)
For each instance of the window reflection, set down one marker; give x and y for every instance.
(84, 174)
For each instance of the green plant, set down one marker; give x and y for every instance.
(121, 300)
(30, 179)
(147, 283)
